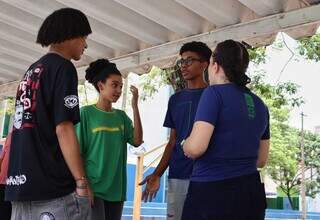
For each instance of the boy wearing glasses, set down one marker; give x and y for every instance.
(182, 106)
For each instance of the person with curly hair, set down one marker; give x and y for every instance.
(103, 134)
(182, 106)
(46, 177)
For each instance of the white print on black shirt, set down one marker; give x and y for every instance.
(26, 98)
(47, 216)
(16, 180)
(17, 121)
(70, 101)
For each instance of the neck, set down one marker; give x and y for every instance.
(104, 105)
(221, 80)
(196, 84)
(61, 50)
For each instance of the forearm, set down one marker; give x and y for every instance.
(164, 162)
(197, 143)
(138, 132)
(70, 149)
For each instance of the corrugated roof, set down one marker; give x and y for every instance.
(137, 34)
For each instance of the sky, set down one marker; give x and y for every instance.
(303, 72)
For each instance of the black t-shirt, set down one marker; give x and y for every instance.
(46, 96)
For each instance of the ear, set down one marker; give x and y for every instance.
(216, 67)
(205, 65)
(100, 86)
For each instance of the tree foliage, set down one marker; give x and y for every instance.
(158, 77)
(309, 47)
(285, 154)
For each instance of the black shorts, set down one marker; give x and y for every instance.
(240, 198)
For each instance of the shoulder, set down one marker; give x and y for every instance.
(120, 112)
(87, 108)
(213, 90)
(178, 95)
(259, 101)
(57, 62)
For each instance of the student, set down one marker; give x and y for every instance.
(103, 135)
(5, 207)
(229, 140)
(182, 107)
(46, 178)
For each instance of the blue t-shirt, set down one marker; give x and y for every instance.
(240, 120)
(180, 115)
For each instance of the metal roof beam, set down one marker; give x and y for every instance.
(220, 13)
(109, 36)
(123, 19)
(167, 13)
(11, 61)
(7, 73)
(262, 7)
(259, 27)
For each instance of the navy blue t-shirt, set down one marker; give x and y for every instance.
(240, 120)
(180, 115)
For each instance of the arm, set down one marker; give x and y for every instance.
(197, 143)
(137, 132)
(71, 152)
(263, 153)
(70, 148)
(153, 180)
(164, 162)
(264, 145)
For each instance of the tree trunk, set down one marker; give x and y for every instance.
(290, 200)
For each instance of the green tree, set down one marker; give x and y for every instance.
(285, 155)
(87, 94)
(309, 47)
(158, 77)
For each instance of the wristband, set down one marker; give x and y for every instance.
(81, 178)
(85, 186)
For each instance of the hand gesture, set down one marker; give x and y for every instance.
(152, 187)
(135, 96)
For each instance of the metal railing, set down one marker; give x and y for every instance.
(140, 170)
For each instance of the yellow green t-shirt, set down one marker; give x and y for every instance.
(103, 138)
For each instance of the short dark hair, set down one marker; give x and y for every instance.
(199, 48)
(233, 57)
(63, 24)
(99, 71)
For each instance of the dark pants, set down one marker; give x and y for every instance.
(106, 210)
(240, 198)
(5, 207)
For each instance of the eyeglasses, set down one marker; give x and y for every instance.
(187, 62)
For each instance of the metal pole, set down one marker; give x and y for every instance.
(125, 94)
(303, 183)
